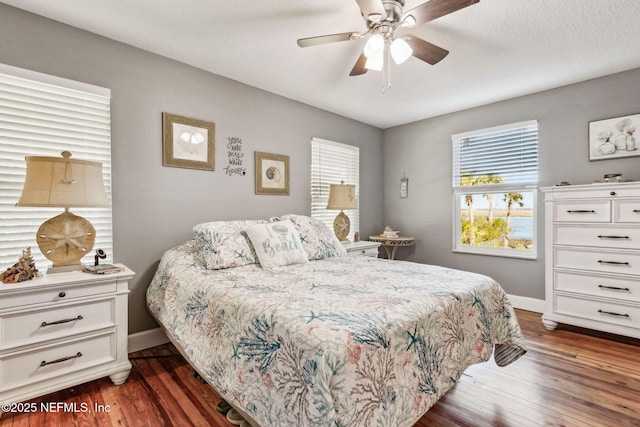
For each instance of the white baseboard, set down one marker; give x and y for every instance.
(526, 303)
(146, 339)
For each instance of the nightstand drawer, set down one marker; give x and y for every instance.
(59, 294)
(587, 211)
(48, 362)
(38, 325)
(372, 252)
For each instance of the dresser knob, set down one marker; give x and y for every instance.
(613, 193)
(62, 294)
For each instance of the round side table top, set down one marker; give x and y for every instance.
(393, 241)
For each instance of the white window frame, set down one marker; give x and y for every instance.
(331, 163)
(525, 184)
(43, 115)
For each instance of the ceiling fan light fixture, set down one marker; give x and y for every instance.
(400, 51)
(374, 46)
(375, 62)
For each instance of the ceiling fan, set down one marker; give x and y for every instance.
(388, 29)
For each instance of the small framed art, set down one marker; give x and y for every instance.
(404, 187)
(187, 143)
(272, 173)
(614, 138)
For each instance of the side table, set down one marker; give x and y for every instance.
(392, 244)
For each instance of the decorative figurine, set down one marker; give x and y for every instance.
(24, 269)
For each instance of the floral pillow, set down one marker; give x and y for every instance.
(224, 244)
(317, 240)
(277, 244)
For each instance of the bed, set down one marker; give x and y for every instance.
(328, 340)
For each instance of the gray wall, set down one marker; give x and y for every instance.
(155, 207)
(423, 151)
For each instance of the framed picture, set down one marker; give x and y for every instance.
(187, 143)
(614, 138)
(404, 187)
(272, 173)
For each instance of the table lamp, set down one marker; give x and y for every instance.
(342, 196)
(64, 183)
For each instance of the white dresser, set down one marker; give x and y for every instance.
(362, 248)
(592, 257)
(61, 330)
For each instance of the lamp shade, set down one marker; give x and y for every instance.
(63, 182)
(342, 196)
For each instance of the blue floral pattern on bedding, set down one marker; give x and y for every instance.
(345, 341)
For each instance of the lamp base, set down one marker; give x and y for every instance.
(341, 226)
(65, 239)
(64, 268)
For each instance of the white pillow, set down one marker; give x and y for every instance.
(317, 240)
(277, 244)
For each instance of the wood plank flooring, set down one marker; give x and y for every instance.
(570, 377)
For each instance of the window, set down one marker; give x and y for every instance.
(495, 173)
(42, 115)
(332, 163)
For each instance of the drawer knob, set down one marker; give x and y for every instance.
(611, 313)
(613, 237)
(62, 294)
(613, 193)
(62, 359)
(58, 322)
(636, 211)
(580, 211)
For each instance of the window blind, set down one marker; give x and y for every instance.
(332, 163)
(509, 152)
(42, 115)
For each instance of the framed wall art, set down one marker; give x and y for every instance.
(187, 143)
(614, 138)
(272, 173)
(404, 187)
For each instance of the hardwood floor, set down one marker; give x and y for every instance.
(569, 377)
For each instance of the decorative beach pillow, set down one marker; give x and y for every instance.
(317, 240)
(224, 244)
(277, 244)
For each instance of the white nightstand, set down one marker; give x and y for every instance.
(61, 330)
(362, 248)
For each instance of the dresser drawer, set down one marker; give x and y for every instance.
(620, 262)
(582, 211)
(627, 211)
(38, 325)
(601, 286)
(606, 312)
(598, 236)
(59, 293)
(48, 362)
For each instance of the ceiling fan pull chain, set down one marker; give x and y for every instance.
(386, 68)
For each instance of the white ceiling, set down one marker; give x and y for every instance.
(499, 49)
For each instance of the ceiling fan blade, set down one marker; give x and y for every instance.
(331, 38)
(372, 10)
(359, 68)
(428, 52)
(434, 9)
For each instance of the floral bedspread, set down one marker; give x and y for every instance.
(346, 341)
